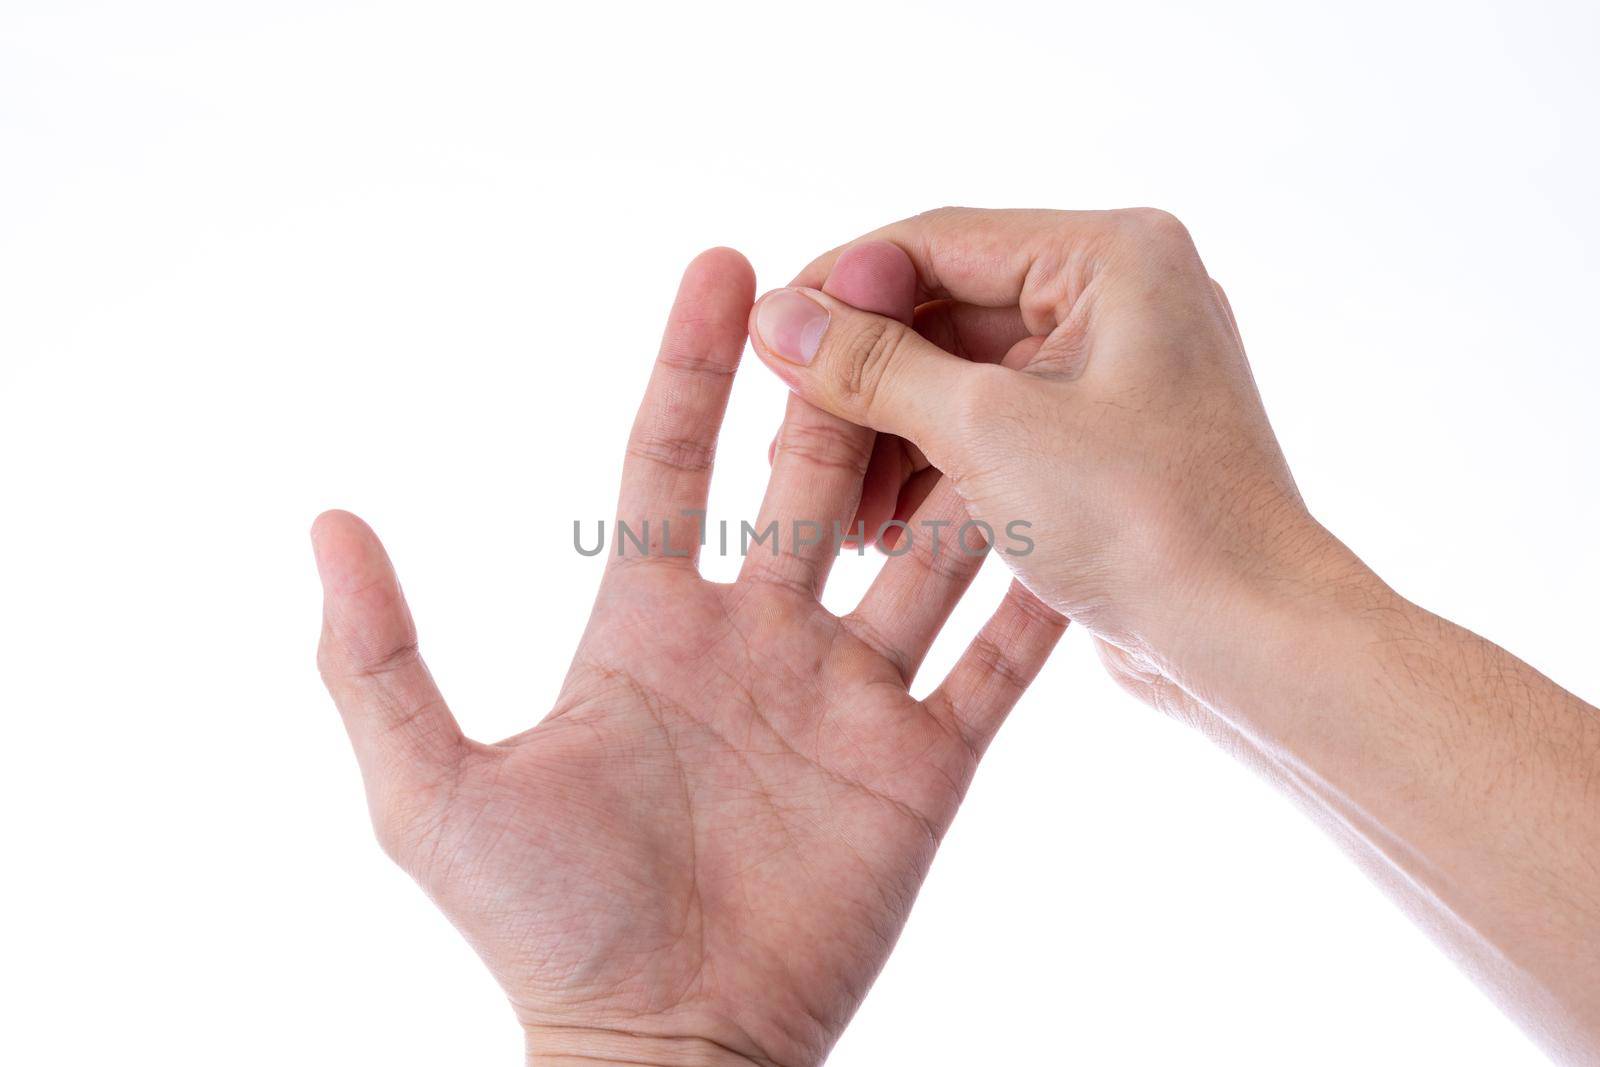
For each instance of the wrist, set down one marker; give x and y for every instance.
(573, 1046)
(1277, 645)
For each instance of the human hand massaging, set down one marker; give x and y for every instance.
(704, 853)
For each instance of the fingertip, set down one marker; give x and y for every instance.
(707, 321)
(348, 553)
(722, 266)
(724, 254)
(875, 276)
(324, 528)
(329, 520)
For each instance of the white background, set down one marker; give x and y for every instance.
(257, 260)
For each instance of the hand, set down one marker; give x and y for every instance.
(1123, 425)
(1104, 402)
(707, 849)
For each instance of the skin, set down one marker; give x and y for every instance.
(1106, 399)
(706, 851)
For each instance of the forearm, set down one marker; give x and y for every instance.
(1461, 776)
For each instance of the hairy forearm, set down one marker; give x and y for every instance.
(1463, 779)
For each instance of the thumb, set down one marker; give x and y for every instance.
(404, 735)
(871, 370)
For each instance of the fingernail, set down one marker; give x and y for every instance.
(791, 325)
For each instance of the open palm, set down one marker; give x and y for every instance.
(707, 849)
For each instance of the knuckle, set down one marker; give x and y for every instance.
(866, 630)
(1156, 226)
(999, 662)
(691, 359)
(946, 560)
(829, 445)
(678, 452)
(871, 349)
(327, 654)
(947, 211)
(1033, 611)
(344, 663)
